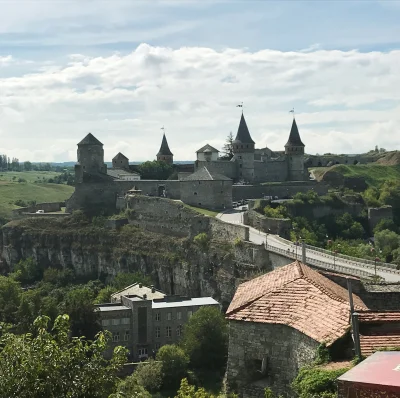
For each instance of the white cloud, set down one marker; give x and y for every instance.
(124, 99)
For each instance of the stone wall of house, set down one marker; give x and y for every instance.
(207, 194)
(284, 349)
(282, 189)
(375, 215)
(276, 226)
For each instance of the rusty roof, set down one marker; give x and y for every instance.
(297, 296)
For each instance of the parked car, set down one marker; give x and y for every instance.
(40, 212)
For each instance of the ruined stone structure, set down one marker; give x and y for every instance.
(257, 165)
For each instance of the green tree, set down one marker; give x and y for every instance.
(386, 224)
(175, 364)
(386, 241)
(149, 375)
(155, 170)
(10, 297)
(79, 306)
(50, 364)
(129, 388)
(124, 279)
(228, 147)
(104, 295)
(206, 332)
(27, 271)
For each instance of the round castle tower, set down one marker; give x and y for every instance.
(243, 150)
(294, 150)
(165, 154)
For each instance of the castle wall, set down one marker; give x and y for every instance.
(224, 167)
(277, 170)
(282, 189)
(173, 218)
(296, 167)
(91, 158)
(276, 226)
(245, 164)
(207, 194)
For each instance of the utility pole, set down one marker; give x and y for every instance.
(354, 321)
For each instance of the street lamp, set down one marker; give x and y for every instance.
(266, 236)
(376, 259)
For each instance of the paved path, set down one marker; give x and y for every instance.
(313, 257)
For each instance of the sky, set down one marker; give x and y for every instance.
(122, 70)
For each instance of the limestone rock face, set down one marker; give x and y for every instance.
(177, 266)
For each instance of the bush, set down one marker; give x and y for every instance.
(238, 242)
(201, 240)
(175, 364)
(27, 271)
(316, 382)
(124, 279)
(149, 375)
(206, 332)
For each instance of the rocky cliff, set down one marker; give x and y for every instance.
(176, 265)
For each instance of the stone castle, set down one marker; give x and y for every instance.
(208, 182)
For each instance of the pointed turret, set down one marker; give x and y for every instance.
(243, 134)
(294, 136)
(165, 154)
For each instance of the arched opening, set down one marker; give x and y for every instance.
(161, 191)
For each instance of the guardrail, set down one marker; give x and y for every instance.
(322, 264)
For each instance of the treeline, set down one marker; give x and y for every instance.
(13, 164)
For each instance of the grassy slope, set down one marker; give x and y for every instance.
(202, 211)
(374, 174)
(10, 190)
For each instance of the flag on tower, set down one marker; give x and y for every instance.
(292, 110)
(239, 106)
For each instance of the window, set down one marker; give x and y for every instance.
(116, 336)
(158, 332)
(179, 315)
(189, 314)
(169, 331)
(169, 316)
(157, 346)
(179, 330)
(105, 322)
(158, 317)
(125, 321)
(194, 193)
(142, 352)
(116, 322)
(126, 335)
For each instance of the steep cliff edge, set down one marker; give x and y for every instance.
(176, 265)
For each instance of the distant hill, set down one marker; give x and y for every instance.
(373, 174)
(390, 159)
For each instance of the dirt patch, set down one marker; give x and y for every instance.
(390, 159)
(336, 365)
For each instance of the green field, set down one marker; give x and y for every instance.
(12, 190)
(200, 210)
(373, 174)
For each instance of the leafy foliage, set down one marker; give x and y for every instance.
(149, 375)
(206, 332)
(51, 364)
(316, 382)
(155, 170)
(124, 279)
(188, 391)
(175, 364)
(202, 240)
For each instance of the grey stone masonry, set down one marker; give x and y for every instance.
(266, 355)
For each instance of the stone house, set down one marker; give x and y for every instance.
(205, 188)
(276, 323)
(143, 319)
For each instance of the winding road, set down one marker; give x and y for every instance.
(321, 259)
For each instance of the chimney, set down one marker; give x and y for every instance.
(145, 296)
(140, 285)
(153, 290)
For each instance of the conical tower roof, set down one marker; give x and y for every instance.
(164, 149)
(243, 134)
(90, 139)
(294, 136)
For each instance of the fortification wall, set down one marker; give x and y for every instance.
(224, 167)
(276, 226)
(207, 194)
(171, 217)
(282, 190)
(375, 215)
(322, 210)
(47, 207)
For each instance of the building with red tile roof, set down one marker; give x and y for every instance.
(276, 323)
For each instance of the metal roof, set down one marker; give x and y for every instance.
(294, 136)
(197, 301)
(243, 134)
(164, 149)
(106, 308)
(381, 368)
(207, 148)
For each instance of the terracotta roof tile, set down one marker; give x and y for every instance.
(297, 296)
(373, 342)
(378, 316)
